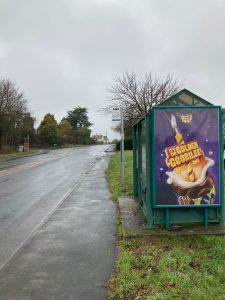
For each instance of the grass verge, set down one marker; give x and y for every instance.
(114, 177)
(9, 152)
(17, 154)
(156, 268)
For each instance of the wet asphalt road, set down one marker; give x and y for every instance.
(32, 188)
(59, 223)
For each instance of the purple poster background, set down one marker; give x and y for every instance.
(197, 124)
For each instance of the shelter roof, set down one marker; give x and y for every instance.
(184, 98)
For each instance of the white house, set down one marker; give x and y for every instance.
(99, 138)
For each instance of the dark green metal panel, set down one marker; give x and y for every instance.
(185, 216)
(139, 162)
(150, 221)
(135, 167)
(142, 178)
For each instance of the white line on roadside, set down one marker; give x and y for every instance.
(24, 167)
(43, 221)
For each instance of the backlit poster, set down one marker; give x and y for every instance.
(186, 156)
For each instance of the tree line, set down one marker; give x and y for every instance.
(135, 94)
(73, 129)
(17, 122)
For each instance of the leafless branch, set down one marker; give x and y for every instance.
(138, 94)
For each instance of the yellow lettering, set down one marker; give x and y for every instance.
(178, 150)
(177, 160)
(172, 163)
(172, 152)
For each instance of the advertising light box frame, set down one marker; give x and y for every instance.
(154, 166)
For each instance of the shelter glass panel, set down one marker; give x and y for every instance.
(185, 99)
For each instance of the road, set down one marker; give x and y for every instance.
(32, 188)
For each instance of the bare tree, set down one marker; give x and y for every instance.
(136, 95)
(13, 112)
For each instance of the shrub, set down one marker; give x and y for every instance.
(128, 144)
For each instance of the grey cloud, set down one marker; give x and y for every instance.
(66, 53)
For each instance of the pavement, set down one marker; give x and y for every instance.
(70, 252)
(134, 224)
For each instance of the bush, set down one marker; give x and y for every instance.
(128, 144)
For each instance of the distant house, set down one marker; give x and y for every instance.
(99, 138)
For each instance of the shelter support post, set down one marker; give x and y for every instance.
(135, 167)
(150, 221)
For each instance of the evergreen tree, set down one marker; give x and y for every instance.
(83, 136)
(48, 131)
(78, 118)
(79, 121)
(65, 131)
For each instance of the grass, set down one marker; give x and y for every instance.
(114, 176)
(17, 154)
(155, 268)
(8, 152)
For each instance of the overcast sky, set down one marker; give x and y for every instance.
(65, 53)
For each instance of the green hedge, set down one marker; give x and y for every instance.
(128, 144)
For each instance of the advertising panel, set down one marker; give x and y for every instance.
(187, 156)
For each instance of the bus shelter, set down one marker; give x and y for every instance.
(178, 162)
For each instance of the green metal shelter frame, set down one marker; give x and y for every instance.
(144, 168)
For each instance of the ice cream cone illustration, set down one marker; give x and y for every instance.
(190, 171)
(178, 136)
(180, 140)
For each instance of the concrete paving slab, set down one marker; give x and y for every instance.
(73, 254)
(134, 223)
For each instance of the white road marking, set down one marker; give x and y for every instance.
(25, 167)
(46, 218)
(40, 224)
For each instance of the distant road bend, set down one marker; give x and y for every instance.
(32, 188)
